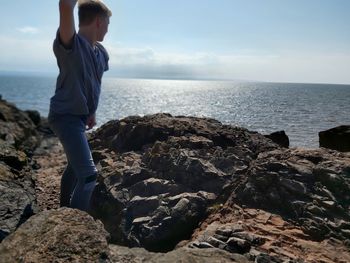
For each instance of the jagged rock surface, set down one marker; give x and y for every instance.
(159, 174)
(265, 237)
(18, 139)
(234, 194)
(309, 187)
(17, 128)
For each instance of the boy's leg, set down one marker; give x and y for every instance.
(82, 192)
(68, 183)
(79, 156)
(71, 132)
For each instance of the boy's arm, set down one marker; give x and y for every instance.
(67, 27)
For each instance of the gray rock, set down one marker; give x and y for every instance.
(17, 129)
(294, 186)
(34, 116)
(238, 245)
(170, 169)
(279, 137)
(337, 138)
(16, 206)
(12, 157)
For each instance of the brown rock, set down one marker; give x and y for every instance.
(63, 235)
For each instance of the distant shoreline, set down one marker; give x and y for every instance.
(109, 76)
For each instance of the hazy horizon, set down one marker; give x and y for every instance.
(267, 41)
(107, 76)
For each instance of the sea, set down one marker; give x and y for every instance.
(301, 110)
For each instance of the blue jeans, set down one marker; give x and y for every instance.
(79, 177)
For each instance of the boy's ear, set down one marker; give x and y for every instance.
(100, 20)
(97, 21)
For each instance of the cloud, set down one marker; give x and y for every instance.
(28, 30)
(287, 66)
(26, 54)
(36, 54)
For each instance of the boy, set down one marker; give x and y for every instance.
(82, 61)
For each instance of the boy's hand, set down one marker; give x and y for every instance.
(91, 121)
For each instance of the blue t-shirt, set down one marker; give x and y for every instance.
(78, 85)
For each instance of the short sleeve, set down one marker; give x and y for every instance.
(60, 51)
(105, 57)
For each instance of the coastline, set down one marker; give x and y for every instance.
(185, 186)
(302, 111)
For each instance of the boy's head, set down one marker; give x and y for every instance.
(94, 13)
(89, 10)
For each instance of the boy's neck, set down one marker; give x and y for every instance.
(88, 35)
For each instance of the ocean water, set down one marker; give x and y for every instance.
(302, 110)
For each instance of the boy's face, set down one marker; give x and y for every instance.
(102, 23)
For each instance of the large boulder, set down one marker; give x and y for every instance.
(337, 138)
(134, 132)
(160, 174)
(63, 235)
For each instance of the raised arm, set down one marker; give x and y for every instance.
(67, 27)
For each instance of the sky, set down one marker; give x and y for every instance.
(255, 40)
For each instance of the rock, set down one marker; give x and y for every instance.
(171, 219)
(12, 157)
(134, 132)
(17, 194)
(18, 140)
(34, 116)
(264, 237)
(279, 137)
(195, 255)
(70, 235)
(294, 186)
(16, 206)
(44, 128)
(277, 183)
(141, 206)
(17, 129)
(167, 169)
(238, 245)
(191, 187)
(153, 186)
(63, 235)
(337, 138)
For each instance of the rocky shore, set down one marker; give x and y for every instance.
(172, 189)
